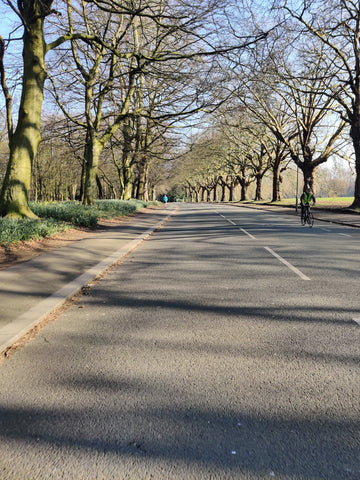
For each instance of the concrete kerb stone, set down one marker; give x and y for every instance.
(35, 315)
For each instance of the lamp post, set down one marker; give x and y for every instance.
(297, 182)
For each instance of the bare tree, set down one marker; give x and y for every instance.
(290, 99)
(182, 31)
(336, 24)
(24, 137)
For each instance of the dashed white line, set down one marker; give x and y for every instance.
(241, 229)
(247, 233)
(345, 235)
(285, 262)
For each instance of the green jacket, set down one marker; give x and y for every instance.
(307, 198)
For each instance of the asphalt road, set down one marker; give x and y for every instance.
(226, 347)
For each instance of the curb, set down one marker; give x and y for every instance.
(293, 213)
(35, 315)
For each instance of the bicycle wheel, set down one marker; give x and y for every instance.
(310, 219)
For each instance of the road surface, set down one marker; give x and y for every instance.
(225, 347)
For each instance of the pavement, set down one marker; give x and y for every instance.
(32, 290)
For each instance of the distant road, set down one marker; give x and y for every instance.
(226, 347)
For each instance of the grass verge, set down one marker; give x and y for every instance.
(56, 217)
(328, 203)
(12, 231)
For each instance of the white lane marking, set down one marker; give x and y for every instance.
(345, 235)
(325, 230)
(247, 233)
(285, 262)
(233, 223)
(357, 320)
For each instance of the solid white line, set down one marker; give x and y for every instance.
(247, 233)
(285, 262)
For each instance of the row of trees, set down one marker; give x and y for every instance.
(122, 74)
(295, 97)
(274, 89)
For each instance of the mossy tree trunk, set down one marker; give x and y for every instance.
(24, 141)
(93, 151)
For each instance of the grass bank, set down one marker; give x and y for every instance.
(56, 217)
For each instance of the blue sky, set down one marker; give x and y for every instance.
(8, 21)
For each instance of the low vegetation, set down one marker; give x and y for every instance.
(55, 217)
(12, 231)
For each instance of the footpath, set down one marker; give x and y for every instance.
(30, 291)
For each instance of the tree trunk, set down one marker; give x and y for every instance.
(243, 195)
(25, 140)
(126, 171)
(223, 189)
(142, 193)
(99, 187)
(203, 190)
(215, 193)
(244, 186)
(126, 182)
(93, 151)
(231, 191)
(258, 196)
(308, 174)
(276, 193)
(355, 135)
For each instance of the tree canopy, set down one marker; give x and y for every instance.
(107, 92)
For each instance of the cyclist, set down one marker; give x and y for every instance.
(306, 198)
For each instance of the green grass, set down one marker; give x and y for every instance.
(12, 231)
(330, 202)
(55, 217)
(86, 216)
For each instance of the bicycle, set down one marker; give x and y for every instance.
(308, 217)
